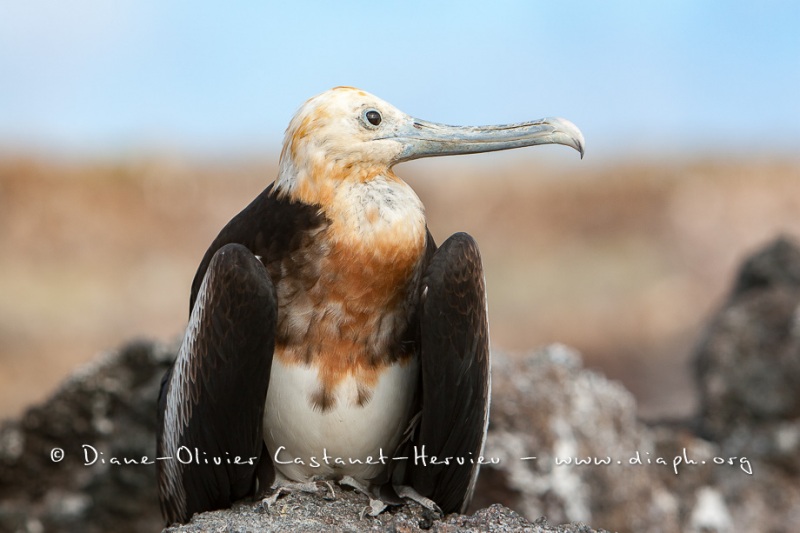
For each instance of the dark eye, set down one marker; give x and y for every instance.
(373, 117)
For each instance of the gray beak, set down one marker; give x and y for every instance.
(428, 139)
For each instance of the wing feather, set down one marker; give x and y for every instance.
(454, 348)
(211, 405)
(212, 398)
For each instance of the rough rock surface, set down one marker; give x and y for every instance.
(300, 512)
(733, 468)
(109, 405)
(548, 407)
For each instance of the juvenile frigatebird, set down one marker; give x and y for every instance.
(329, 337)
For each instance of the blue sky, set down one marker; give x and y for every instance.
(91, 77)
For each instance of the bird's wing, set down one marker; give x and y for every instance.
(212, 399)
(271, 227)
(211, 405)
(454, 347)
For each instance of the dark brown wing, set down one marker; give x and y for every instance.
(212, 399)
(272, 228)
(454, 349)
(211, 405)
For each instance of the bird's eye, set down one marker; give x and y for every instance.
(373, 116)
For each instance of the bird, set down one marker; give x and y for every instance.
(329, 337)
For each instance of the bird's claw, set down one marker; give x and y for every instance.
(282, 487)
(408, 493)
(376, 505)
(333, 494)
(269, 501)
(374, 508)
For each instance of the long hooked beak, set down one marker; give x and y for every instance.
(428, 139)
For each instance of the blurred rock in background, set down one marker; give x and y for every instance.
(748, 363)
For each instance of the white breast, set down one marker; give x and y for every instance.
(299, 436)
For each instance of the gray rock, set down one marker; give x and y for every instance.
(301, 512)
(717, 494)
(547, 406)
(748, 364)
(109, 405)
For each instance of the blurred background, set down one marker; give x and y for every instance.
(131, 132)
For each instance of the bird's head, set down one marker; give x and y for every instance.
(348, 134)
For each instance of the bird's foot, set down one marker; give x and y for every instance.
(408, 493)
(376, 505)
(284, 486)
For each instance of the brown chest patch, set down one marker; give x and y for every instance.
(350, 314)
